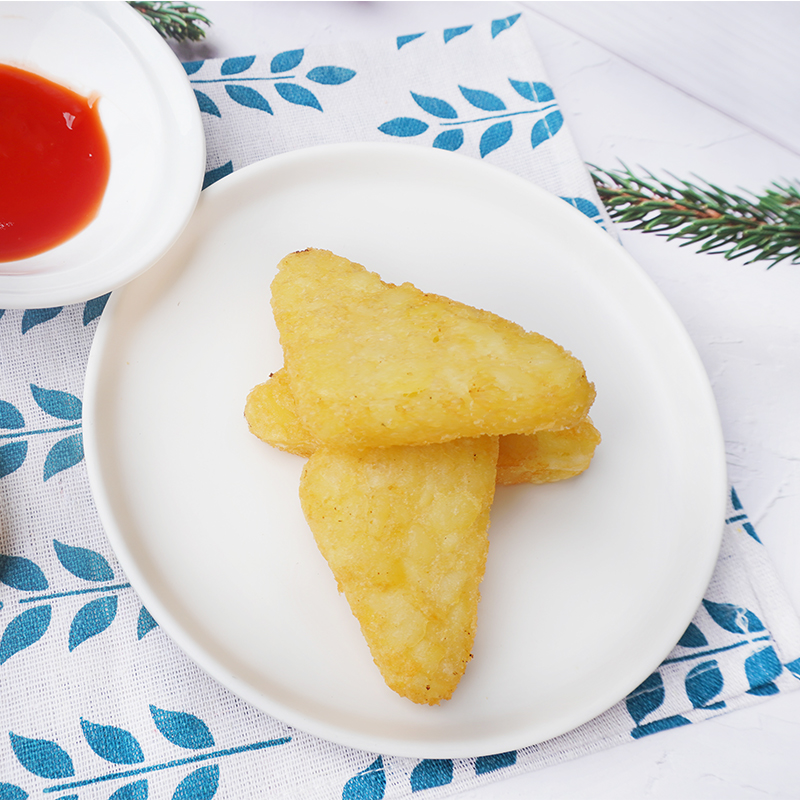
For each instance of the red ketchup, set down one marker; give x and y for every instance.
(54, 163)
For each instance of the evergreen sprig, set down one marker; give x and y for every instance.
(766, 227)
(177, 21)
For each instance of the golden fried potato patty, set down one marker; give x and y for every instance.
(404, 530)
(541, 457)
(374, 364)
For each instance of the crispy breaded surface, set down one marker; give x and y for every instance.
(404, 530)
(547, 456)
(375, 364)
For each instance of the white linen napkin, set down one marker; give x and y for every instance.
(97, 701)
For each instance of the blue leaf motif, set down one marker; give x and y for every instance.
(12, 456)
(449, 140)
(330, 76)
(94, 308)
(794, 667)
(646, 697)
(25, 629)
(765, 690)
(733, 618)
(533, 90)
(190, 67)
(285, 61)
(62, 405)
(431, 772)
(233, 66)
(41, 757)
(36, 316)
(213, 175)
(198, 785)
(486, 101)
(495, 137)
(10, 417)
(409, 37)
(703, 683)
(369, 784)
(182, 729)
(693, 637)
(92, 619)
(10, 792)
(145, 624)
(403, 127)
(751, 531)
(665, 724)
(499, 25)
(435, 106)
(21, 573)
(245, 96)
(206, 104)
(131, 791)
(83, 563)
(113, 744)
(64, 454)
(486, 764)
(298, 95)
(546, 128)
(451, 33)
(760, 669)
(735, 501)
(583, 205)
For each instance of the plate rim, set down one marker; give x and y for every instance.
(240, 687)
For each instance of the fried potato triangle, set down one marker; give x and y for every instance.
(542, 457)
(404, 531)
(375, 364)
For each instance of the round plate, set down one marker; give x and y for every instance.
(589, 582)
(155, 137)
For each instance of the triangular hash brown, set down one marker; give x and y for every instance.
(404, 531)
(375, 364)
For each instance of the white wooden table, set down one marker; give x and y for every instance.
(709, 89)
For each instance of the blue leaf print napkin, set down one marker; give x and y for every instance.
(97, 701)
(477, 89)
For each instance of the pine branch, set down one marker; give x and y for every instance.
(177, 21)
(767, 227)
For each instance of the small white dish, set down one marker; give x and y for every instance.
(590, 582)
(155, 137)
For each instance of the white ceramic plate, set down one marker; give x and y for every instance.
(155, 137)
(589, 583)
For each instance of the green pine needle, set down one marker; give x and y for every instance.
(765, 228)
(177, 21)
